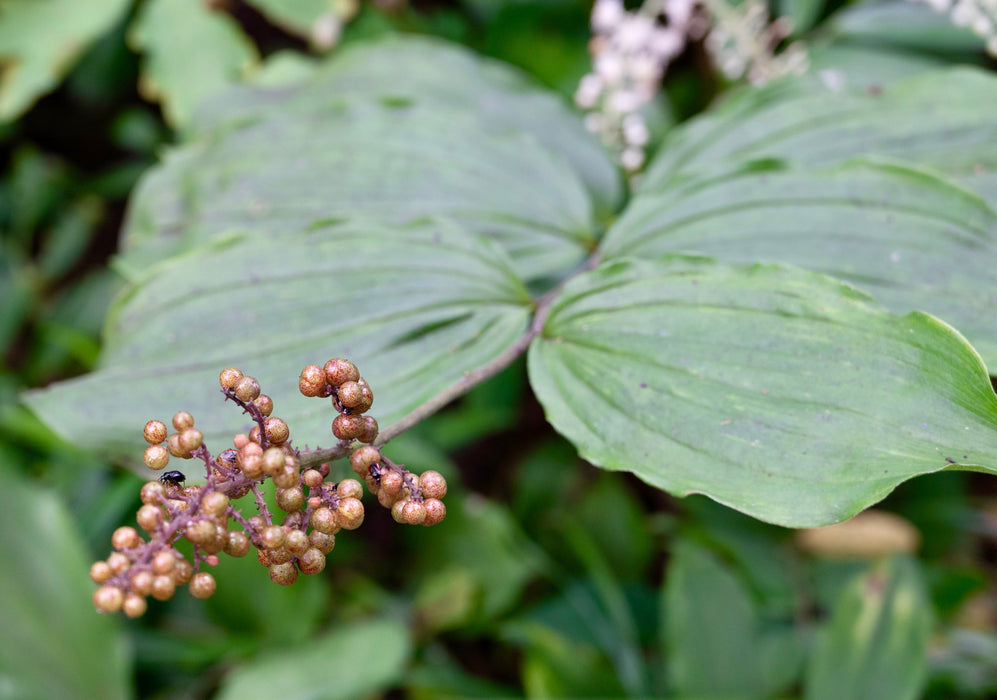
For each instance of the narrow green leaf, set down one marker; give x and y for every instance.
(415, 307)
(191, 51)
(352, 661)
(54, 644)
(933, 119)
(41, 41)
(912, 25)
(784, 394)
(716, 643)
(295, 16)
(912, 240)
(876, 642)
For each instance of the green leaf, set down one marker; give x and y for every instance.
(911, 25)
(912, 240)
(785, 394)
(933, 120)
(876, 642)
(40, 40)
(54, 645)
(416, 307)
(191, 51)
(351, 661)
(399, 129)
(717, 643)
(295, 16)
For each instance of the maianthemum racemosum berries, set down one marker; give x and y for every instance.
(145, 561)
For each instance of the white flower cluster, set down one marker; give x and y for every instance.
(978, 15)
(631, 50)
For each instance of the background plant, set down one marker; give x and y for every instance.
(424, 148)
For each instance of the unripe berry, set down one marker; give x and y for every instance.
(257, 523)
(370, 430)
(294, 520)
(154, 432)
(164, 562)
(363, 457)
(312, 561)
(108, 599)
(349, 488)
(134, 606)
(436, 510)
(324, 520)
(368, 397)
(118, 562)
(229, 377)
(237, 544)
(386, 499)
(287, 477)
(240, 441)
(252, 466)
(312, 478)
(283, 574)
(182, 420)
(191, 439)
(391, 483)
(254, 435)
(149, 517)
(264, 403)
(349, 513)
(125, 538)
(100, 572)
(279, 556)
(182, 572)
(396, 509)
(273, 461)
(349, 394)
(191, 491)
(296, 542)
(277, 431)
(163, 587)
(202, 585)
(141, 583)
(433, 484)
(323, 542)
(312, 381)
(414, 513)
(199, 532)
(246, 389)
(152, 492)
(338, 371)
(263, 556)
(216, 542)
(291, 499)
(273, 536)
(347, 427)
(175, 448)
(215, 503)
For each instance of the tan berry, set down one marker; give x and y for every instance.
(436, 510)
(264, 403)
(347, 427)
(141, 583)
(283, 574)
(252, 466)
(312, 478)
(349, 513)
(202, 585)
(433, 484)
(254, 435)
(240, 441)
(149, 517)
(257, 523)
(118, 562)
(237, 544)
(154, 432)
(296, 542)
(276, 430)
(108, 599)
(163, 587)
(324, 520)
(291, 499)
(215, 503)
(134, 606)
(175, 448)
(386, 499)
(362, 458)
(182, 572)
(273, 536)
(312, 561)
(125, 538)
(183, 420)
(370, 430)
(396, 509)
(350, 395)
(391, 482)
(349, 488)
(312, 381)
(414, 513)
(200, 532)
(100, 572)
(368, 397)
(273, 461)
(280, 556)
(246, 389)
(191, 439)
(287, 477)
(152, 492)
(322, 541)
(338, 371)
(263, 556)
(229, 377)
(164, 562)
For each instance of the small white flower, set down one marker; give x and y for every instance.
(606, 15)
(632, 158)
(635, 132)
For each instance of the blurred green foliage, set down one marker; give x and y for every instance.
(548, 578)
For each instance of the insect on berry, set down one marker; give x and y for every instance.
(174, 477)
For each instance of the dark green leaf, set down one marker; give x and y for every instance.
(875, 644)
(910, 239)
(784, 394)
(912, 25)
(416, 307)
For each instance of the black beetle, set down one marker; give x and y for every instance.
(176, 478)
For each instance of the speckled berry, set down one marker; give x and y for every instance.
(229, 377)
(202, 585)
(338, 371)
(154, 432)
(312, 381)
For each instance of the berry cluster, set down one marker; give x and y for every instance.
(204, 515)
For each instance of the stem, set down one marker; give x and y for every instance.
(471, 379)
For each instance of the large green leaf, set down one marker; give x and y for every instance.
(191, 51)
(352, 661)
(718, 644)
(876, 642)
(416, 307)
(418, 129)
(40, 40)
(53, 645)
(784, 394)
(912, 240)
(933, 119)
